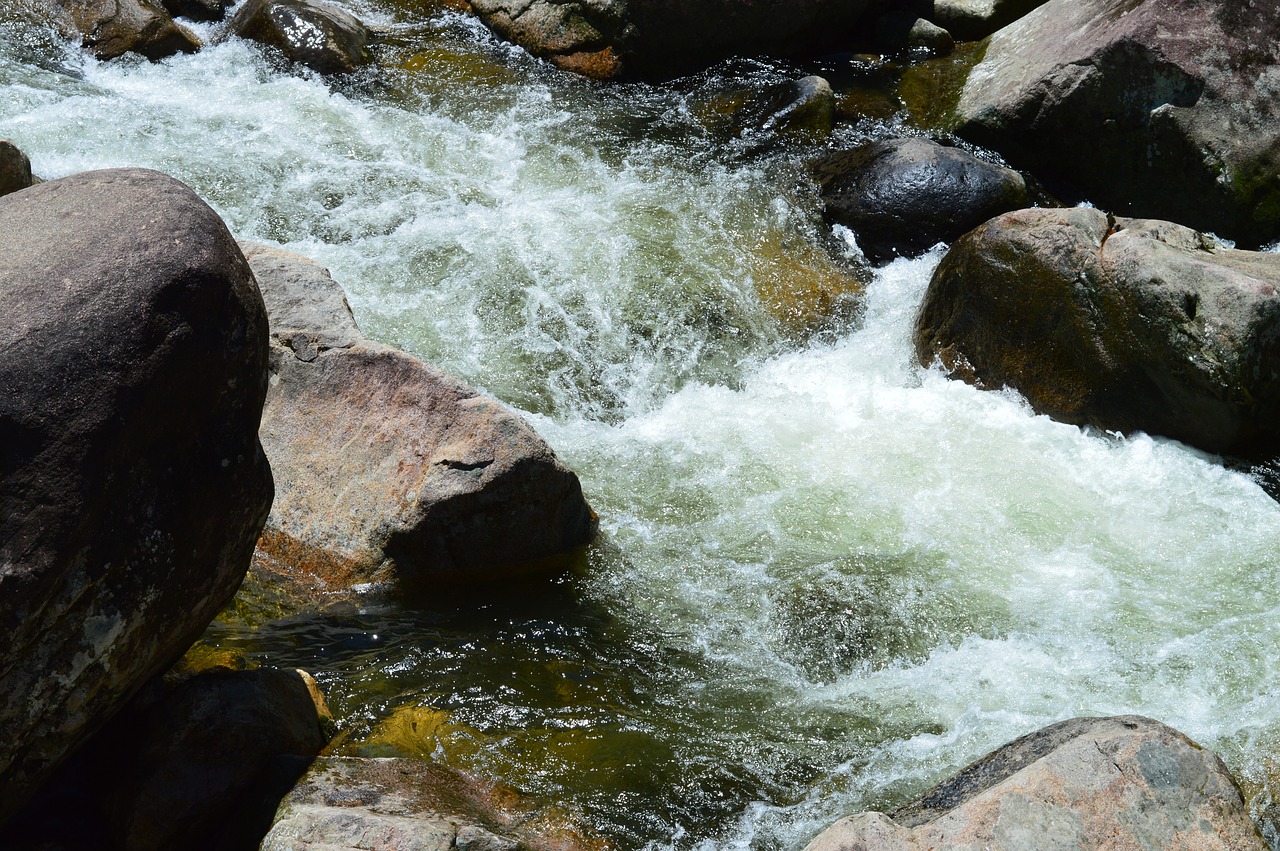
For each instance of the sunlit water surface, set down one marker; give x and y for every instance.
(825, 577)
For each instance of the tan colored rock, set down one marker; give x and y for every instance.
(1089, 784)
(389, 468)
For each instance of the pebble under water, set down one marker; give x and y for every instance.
(825, 578)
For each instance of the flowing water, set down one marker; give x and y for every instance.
(825, 576)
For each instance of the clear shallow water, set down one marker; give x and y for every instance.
(825, 578)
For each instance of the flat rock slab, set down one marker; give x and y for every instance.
(388, 468)
(133, 366)
(1088, 784)
(1122, 324)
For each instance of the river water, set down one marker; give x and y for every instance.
(825, 577)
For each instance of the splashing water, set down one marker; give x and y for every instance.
(826, 577)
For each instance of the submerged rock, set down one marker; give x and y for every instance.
(1089, 783)
(1161, 108)
(113, 28)
(350, 804)
(664, 38)
(15, 168)
(321, 36)
(132, 484)
(1122, 324)
(903, 196)
(803, 107)
(388, 468)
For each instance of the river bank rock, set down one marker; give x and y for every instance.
(1160, 108)
(660, 39)
(352, 804)
(1121, 324)
(132, 483)
(1088, 783)
(903, 196)
(389, 468)
(974, 19)
(324, 37)
(199, 764)
(112, 28)
(15, 168)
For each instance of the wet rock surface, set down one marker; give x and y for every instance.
(903, 196)
(112, 28)
(1119, 783)
(1122, 324)
(321, 36)
(15, 168)
(1159, 109)
(132, 483)
(389, 468)
(803, 107)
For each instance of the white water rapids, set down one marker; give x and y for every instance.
(826, 577)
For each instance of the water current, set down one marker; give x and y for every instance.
(825, 578)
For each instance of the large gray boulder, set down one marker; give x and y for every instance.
(112, 28)
(1122, 324)
(133, 367)
(1081, 785)
(903, 196)
(387, 468)
(664, 38)
(1166, 109)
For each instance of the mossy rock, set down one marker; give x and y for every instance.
(424, 732)
(458, 67)
(930, 90)
(803, 287)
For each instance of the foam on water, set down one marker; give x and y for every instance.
(830, 576)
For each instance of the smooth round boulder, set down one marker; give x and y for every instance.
(1121, 324)
(113, 28)
(321, 36)
(1119, 783)
(133, 368)
(903, 196)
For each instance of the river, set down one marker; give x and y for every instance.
(825, 578)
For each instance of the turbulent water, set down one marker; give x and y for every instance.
(826, 577)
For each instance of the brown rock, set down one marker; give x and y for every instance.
(113, 28)
(15, 168)
(1089, 784)
(322, 36)
(132, 484)
(1122, 324)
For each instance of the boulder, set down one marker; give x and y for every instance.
(659, 39)
(903, 196)
(112, 28)
(903, 30)
(1088, 783)
(1167, 109)
(15, 168)
(1121, 324)
(389, 468)
(200, 764)
(974, 19)
(351, 804)
(321, 36)
(803, 107)
(132, 483)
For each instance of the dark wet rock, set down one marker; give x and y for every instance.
(1128, 325)
(903, 196)
(132, 484)
(974, 19)
(201, 764)
(803, 107)
(198, 10)
(321, 36)
(903, 30)
(1123, 782)
(112, 28)
(1166, 109)
(15, 168)
(350, 804)
(389, 468)
(657, 39)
